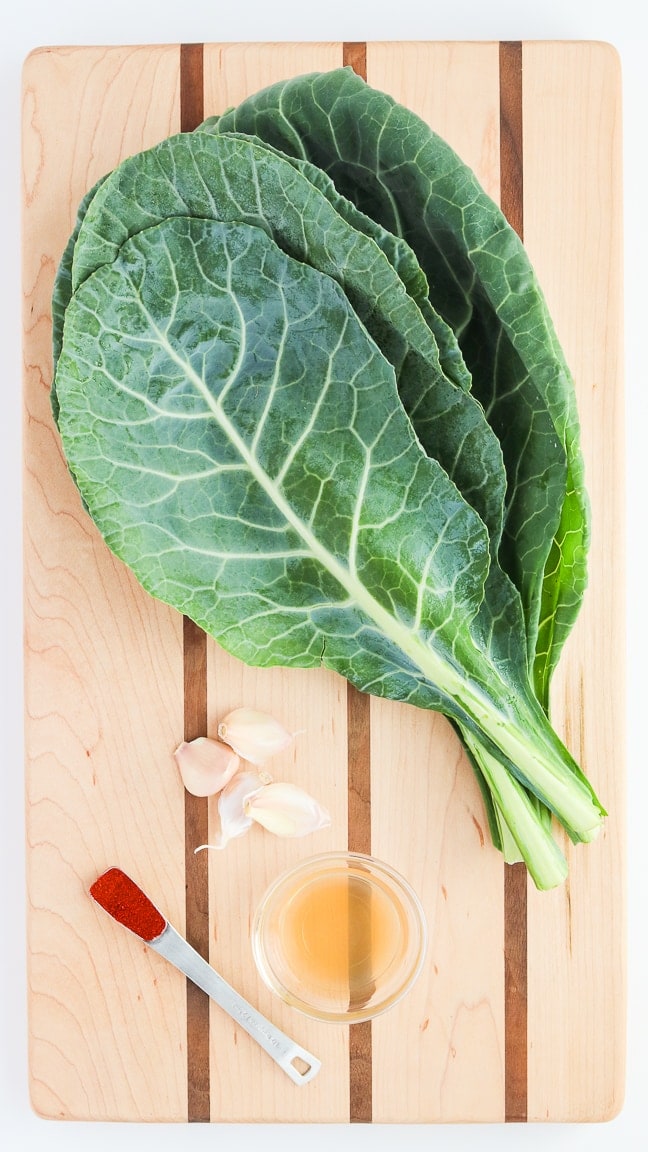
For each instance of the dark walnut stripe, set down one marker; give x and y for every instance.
(196, 877)
(359, 801)
(511, 175)
(359, 840)
(515, 993)
(354, 55)
(195, 724)
(515, 875)
(191, 87)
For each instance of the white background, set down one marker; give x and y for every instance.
(27, 25)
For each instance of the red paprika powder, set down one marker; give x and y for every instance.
(126, 903)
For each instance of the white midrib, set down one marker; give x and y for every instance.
(430, 664)
(438, 671)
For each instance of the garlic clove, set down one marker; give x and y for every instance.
(206, 765)
(254, 735)
(234, 820)
(286, 810)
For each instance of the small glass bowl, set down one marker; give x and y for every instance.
(341, 937)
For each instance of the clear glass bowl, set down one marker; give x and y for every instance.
(341, 936)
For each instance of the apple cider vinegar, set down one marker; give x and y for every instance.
(341, 937)
(340, 934)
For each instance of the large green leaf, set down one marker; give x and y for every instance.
(215, 178)
(229, 179)
(399, 254)
(239, 440)
(387, 161)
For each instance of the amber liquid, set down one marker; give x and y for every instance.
(341, 936)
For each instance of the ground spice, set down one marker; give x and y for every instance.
(127, 904)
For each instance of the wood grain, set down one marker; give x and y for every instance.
(572, 226)
(234, 71)
(108, 696)
(103, 662)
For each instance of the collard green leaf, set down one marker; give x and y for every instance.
(387, 161)
(232, 179)
(399, 254)
(239, 440)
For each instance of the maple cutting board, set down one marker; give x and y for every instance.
(520, 1011)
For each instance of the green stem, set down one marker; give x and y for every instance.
(519, 820)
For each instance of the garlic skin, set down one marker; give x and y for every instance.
(234, 820)
(286, 810)
(254, 735)
(206, 766)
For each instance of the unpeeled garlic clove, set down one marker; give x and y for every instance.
(254, 735)
(234, 820)
(206, 765)
(286, 810)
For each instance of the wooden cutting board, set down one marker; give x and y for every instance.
(520, 1011)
